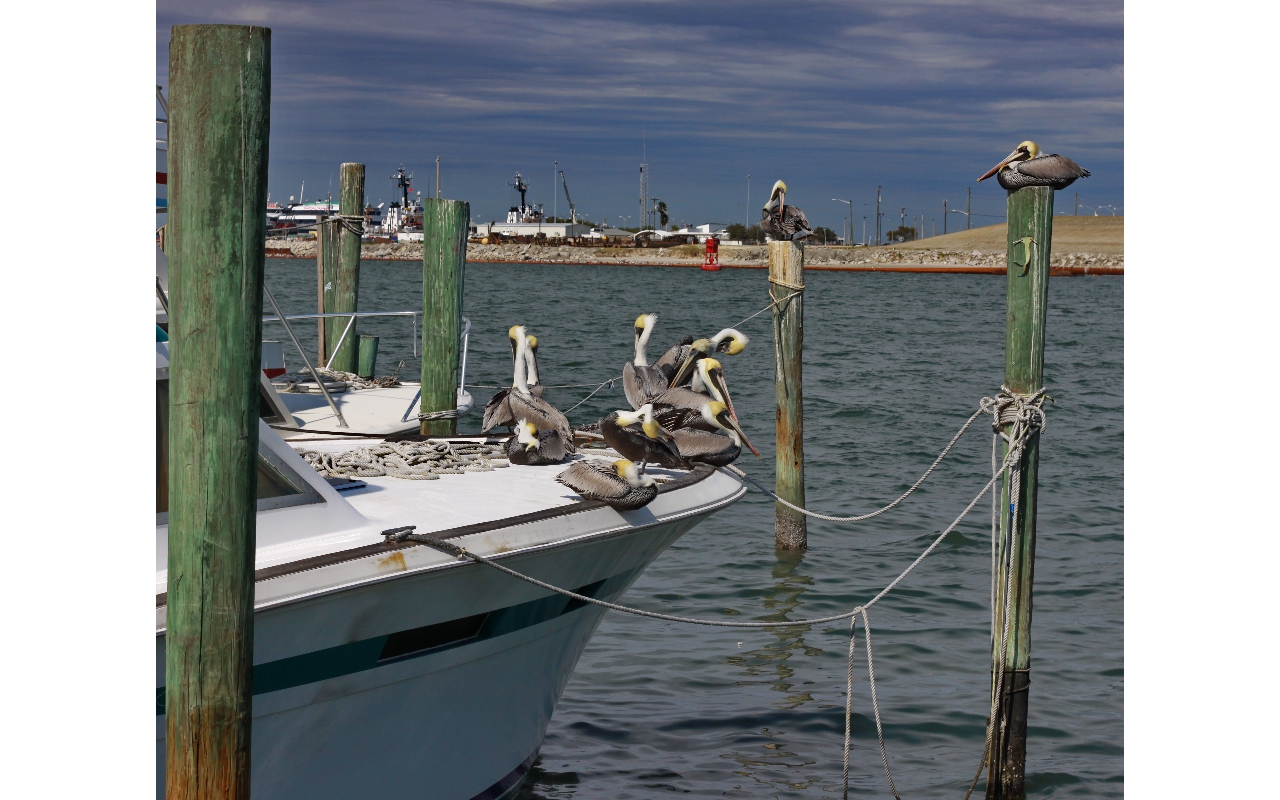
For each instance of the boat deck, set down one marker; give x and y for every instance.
(381, 411)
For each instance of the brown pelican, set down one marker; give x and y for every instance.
(1027, 166)
(670, 361)
(728, 341)
(641, 382)
(682, 407)
(780, 220)
(497, 412)
(619, 484)
(703, 447)
(525, 405)
(637, 436)
(528, 447)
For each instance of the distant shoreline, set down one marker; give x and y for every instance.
(818, 258)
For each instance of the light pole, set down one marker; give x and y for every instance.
(966, 214)
(864, 229)
(968, 208)
(850, 204)
(748, 221)
(877, 216)
(944, 217)
(555, 198)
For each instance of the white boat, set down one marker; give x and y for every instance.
(393, 670)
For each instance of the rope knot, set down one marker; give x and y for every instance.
(1024, 412)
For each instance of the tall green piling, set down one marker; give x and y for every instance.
(342, 284)
(328, 248)
(444, 254)
(219, 116)
(1030, 241)
(786, 278)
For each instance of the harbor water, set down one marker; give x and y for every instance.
(893, 365)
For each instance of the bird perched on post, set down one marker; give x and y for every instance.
(620, 484)
(781, 221)
(1027, 166)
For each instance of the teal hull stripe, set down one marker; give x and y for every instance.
(367, 654)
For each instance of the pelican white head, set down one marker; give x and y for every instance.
(527, 434)
(629, 472)
(644, 329)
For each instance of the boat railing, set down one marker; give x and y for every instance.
(465, 403)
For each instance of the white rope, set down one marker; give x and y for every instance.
(859, 518)
(293, 380)
(417, 461)
(1017, 439)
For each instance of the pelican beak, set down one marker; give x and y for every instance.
(717, 377)
(729, 422)
(690, 361)
(1012, 157)
(782, 202)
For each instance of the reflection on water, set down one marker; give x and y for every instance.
(893, 364)
(770, 663)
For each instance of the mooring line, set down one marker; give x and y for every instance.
(406, 534)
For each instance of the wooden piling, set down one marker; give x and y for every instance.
(444, 253)
(327, 252)
(786, 277)
(219, 116)
(342, 290)
(1029, 244)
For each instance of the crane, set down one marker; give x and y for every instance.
(573, 210)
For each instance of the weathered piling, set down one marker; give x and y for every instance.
(444, 253)
(327, 251)
(786, 278)
(218, 130)
(1030, 234)
(342, 286)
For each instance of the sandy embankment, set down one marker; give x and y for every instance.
(1095, 243)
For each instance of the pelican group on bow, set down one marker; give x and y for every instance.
(1027, 166)
(637, 436)
(698, 446)
(523, 404)
(497, 412)
(620, 484)
(530, 447)
(781, 221)
(641, 382)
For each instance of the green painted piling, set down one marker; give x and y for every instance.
(219, 104)
(786, 276)
(444, 253)
(368, 361)
(1030, 241)
(342, 284)
(327, 252)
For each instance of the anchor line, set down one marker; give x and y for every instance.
(1006, 409)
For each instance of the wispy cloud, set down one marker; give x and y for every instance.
(918, 96)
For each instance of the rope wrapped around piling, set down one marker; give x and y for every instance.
(415, 461)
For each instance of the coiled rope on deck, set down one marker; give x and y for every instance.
(416, 461)
(1026, 418)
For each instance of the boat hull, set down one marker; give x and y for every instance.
(438, 684)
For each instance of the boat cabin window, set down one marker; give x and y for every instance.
(278, 485)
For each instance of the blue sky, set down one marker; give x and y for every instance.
(920, 97)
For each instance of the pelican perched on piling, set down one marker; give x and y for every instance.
(703, 447)
(497, 412)
(529, 447)
(637, 435)
(728, 341)
(782, 221)
(1027, 166)
(620, 484)
(641, 382)
(527, 406)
